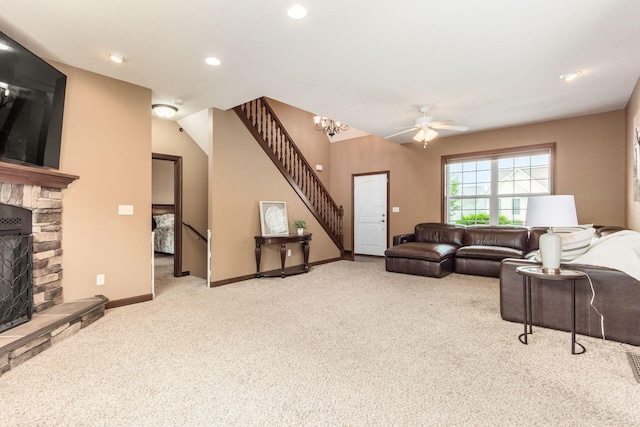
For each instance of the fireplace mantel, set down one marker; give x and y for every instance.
(18, 174)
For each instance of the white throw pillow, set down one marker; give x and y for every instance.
(575, 241)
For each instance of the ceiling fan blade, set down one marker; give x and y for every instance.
(405, 127)
(400, 133)
(448, 127)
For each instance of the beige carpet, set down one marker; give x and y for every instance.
(345, 344)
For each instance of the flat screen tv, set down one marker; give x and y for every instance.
(31, 107)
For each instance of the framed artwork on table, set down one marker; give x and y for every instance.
(273, 219)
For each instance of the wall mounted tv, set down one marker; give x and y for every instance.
(31, 107)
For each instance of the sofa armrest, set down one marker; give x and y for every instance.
(403, 238)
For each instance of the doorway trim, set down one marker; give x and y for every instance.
(177, 206)
(353, 207)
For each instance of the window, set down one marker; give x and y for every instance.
(493, 188)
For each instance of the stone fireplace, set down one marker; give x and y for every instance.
(39, 191)
(45, 203)
(16, 281)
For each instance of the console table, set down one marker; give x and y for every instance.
(303, 239)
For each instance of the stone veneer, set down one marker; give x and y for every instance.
(45, 203)
(40, 191)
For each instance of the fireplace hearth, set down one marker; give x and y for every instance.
(15, 266)
(31, 251)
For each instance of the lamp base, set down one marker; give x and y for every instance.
(546, 270)
(550, 251)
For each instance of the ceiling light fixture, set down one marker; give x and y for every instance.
(213, 61)
(328, 126)
(164, 110)
(116, 57)
(425, 135)
(297, 12)
(570, 76)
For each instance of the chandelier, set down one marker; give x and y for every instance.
(328, 126)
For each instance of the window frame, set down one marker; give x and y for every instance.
(490, 154)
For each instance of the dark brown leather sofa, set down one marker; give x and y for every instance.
(429, 251)
(436, 249)
(617, 297)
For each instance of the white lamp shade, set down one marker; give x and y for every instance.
(551, 211)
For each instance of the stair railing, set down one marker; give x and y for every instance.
(266, 128)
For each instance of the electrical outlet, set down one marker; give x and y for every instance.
(288, 252)
(395, 209)
(100, 279)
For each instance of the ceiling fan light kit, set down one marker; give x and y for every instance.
(426, 127)
(425, 135)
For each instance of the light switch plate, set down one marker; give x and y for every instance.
(395, 209)
(125, 209)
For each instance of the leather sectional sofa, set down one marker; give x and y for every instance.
(436, 249)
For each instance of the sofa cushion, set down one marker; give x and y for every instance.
(508, 237)
(493, 253)
(435, 232)
(422, 250)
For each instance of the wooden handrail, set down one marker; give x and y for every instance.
(200, 236)
(266, 128)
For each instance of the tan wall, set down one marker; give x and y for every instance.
(241, 175)
(167, 139)
(633, 119)
(107, 142)
(312, 143)
(162, 172)
(590, 165)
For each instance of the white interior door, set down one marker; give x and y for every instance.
(370, 214)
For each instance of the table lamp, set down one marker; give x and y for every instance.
(551, 211)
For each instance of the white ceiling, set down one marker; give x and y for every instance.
(368, 63)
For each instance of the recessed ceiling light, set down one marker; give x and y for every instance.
(297, 12)
(213, 61)
(116, 57)
(570, 76)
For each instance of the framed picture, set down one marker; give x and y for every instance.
(273, 219)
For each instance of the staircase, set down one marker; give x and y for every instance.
(265, 127)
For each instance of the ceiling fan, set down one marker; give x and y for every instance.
(426, 127)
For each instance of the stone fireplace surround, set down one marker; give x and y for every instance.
(40, 191)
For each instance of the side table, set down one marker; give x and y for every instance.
(536, 272)
(303, 239)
